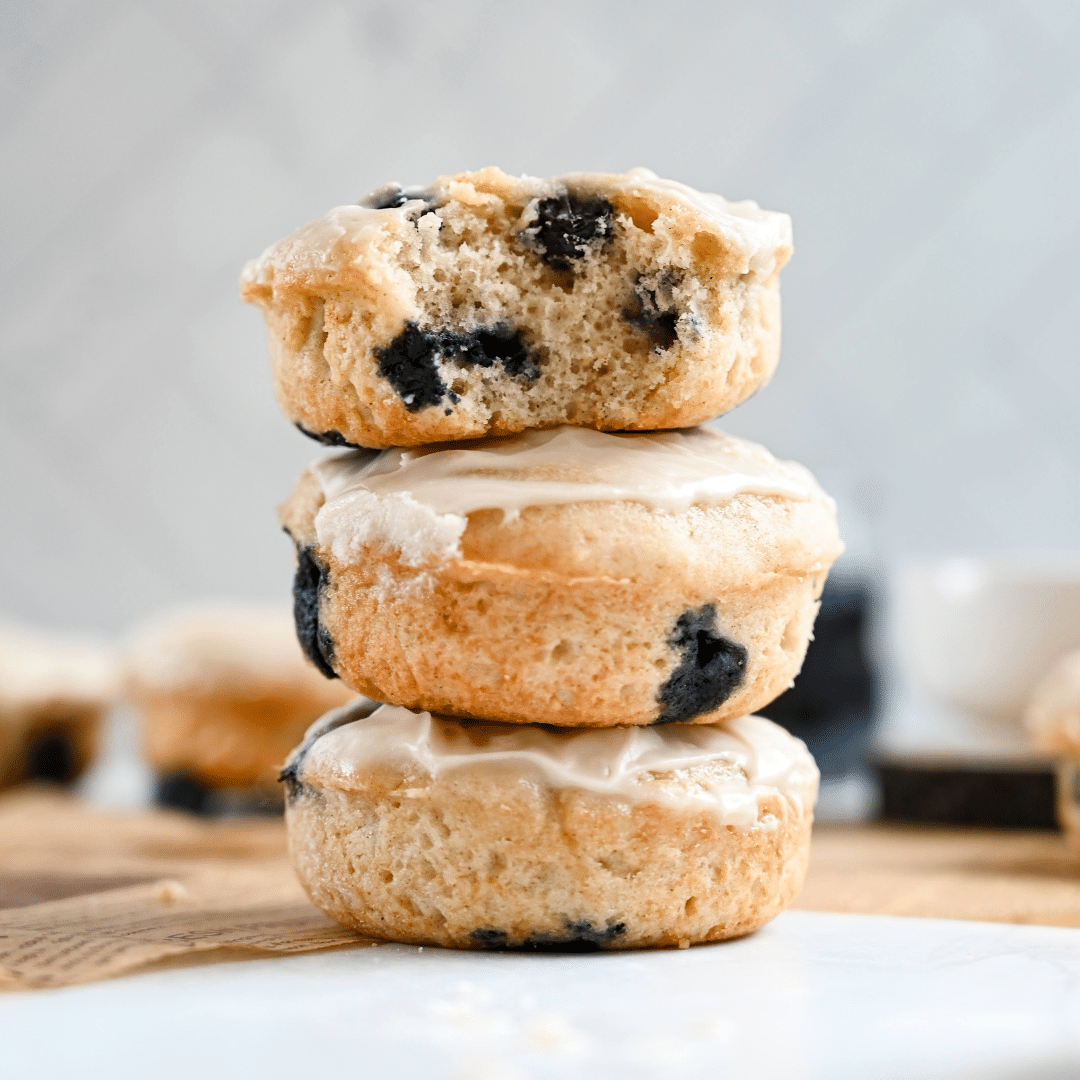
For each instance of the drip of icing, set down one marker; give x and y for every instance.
(417, 500)
(728, 769)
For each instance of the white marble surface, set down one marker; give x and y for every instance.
(810, 996)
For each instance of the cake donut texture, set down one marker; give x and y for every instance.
(224, 693)
(488, 304)
(427, 830)
(568, 577)
(54, 694)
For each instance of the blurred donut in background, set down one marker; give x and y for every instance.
(54, 693)
(223, 693)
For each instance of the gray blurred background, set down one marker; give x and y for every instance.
(929, 154)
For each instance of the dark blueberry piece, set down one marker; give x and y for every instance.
(178, 792)
(51, 756)
(494, 939)
(310, 578)
(391, 196)
(712, 667)
(652, 311)
(410, 362)
(290, 777)
(566, 226)
(577, 937)
(329, 438)
(499, 345)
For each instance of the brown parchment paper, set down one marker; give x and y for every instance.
(87, 894)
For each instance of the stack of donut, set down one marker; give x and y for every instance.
(569, 597)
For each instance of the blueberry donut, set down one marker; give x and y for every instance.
(488, 304)
(54, 694)
(569, 577)
(223, 694)
(422, 829)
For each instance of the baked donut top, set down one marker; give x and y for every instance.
(727, 768)
(328, 250)
(417, 499)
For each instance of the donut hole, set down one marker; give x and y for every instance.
(691, 906)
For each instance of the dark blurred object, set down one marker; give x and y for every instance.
(178, 792)
(992, 795)
(54, 757)
(834, 702)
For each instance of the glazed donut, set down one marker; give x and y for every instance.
(488, 304)
(568, 577)
(422, 829)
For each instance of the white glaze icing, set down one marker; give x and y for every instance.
(342, 237)
(416, 500)
(727, 769)
(339, 238)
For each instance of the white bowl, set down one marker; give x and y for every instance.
(979, 633)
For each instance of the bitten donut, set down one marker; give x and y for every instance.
(422, 829)
(224, 693)
(488, 304)
(54, 694)
(567, 577)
